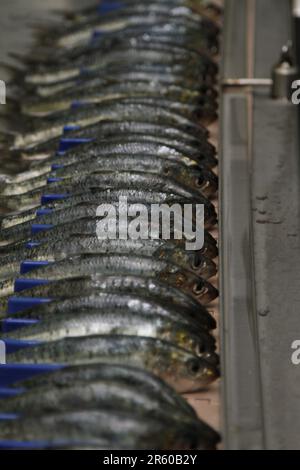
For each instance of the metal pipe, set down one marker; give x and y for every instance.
(296, 29)
(244, 82)
(296, 8)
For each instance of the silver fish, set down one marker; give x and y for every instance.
(179, 368)
(124, 322)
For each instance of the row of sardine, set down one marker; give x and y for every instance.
(102, 335)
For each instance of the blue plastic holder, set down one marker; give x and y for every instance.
(36, 228)
(95, 36)
(54, 180)
(78, 104)
(30, 245)
(71, 128)
(24, 284)
(107, 7)
(67, 144)
(41, 212)
(18, 304)
(11, 373)
(14, 345)
(8, 416)
(47, 198)
(36, 445)
(19, 445)
(55, 167)
(28, 265)
(6, 392)
(60, 153)
(11, 324)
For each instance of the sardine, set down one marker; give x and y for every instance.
(187, 102)
(120, 322)
(54, 251)
(125, 110)
(125, 264)
(160, 75)
(99, 393)
(118, 22)
(123, 284)
(179, 368)
(111, 180)
(92, 299)
(108, 429)
(129, 376)
(161, 32)
(186, 171)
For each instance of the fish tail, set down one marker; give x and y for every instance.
(13, 70)
(19, 58)
(10, 108)
(7, 139)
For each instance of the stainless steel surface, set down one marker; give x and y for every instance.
(260, 212)
(241, 379)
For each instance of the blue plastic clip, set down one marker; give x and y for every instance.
(28, 265)
(17, 304)
(11, 324)
(6, 392)
(55, 167)
(14, 345)
(8, 416)
(54, 180)
(36, 228)
(24, 284)
(67, 144)
(30, 245)
(107, 7)
(95, 36)
(11, 373)
(69, 128)
(22, 445)
(77, 104)
(47, 198)
(41, 212)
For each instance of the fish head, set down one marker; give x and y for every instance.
(202, 265)
(204, 292)
(201, 344)
(189, 373)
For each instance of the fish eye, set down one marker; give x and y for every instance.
(201, 349)
(166, 171)
(199, 289)
(196, 262)
(193, 366)
(199, 181)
